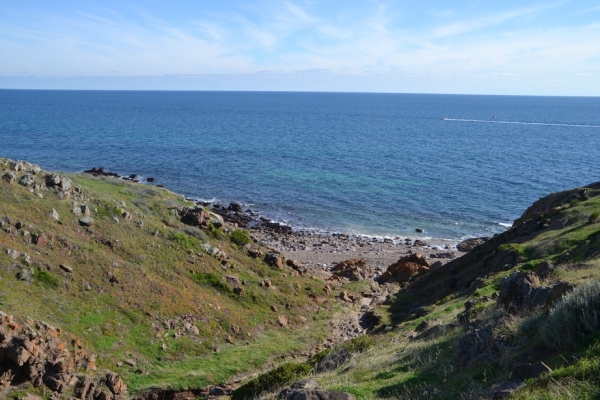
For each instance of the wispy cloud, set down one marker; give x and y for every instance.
(374, 40)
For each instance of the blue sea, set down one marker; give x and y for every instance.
(456, 166)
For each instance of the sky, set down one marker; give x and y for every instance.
(432, 46)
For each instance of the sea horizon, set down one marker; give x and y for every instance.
(378, 164)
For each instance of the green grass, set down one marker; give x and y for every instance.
(45, 278)
(212, 280)
(240, 237)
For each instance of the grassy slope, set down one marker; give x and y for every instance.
(152, 283)
(399, 367)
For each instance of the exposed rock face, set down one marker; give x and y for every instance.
(61, 185)
(194, 216)
(405, 268)
(515, 288)
(26, 180)
(10, 177)
(521, 292)
(553, 203)
(354, 270)
(475, 344)
(33, 352)
(274, 260)
(470, 244)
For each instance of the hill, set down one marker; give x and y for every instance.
(129, 290)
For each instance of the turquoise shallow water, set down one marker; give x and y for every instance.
(378, 164)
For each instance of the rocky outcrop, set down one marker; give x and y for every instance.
(405, 268)
(61, 185)
(469, 244)
(554, 202)
(32, 351)
(520, 292)
(274, 260)
(354, 270)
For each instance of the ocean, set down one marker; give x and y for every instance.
(456, 166)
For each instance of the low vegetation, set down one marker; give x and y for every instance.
(168, 305)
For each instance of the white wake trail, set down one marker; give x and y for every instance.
(520, 123)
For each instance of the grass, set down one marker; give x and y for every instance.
(240, 237)
(45, 278)
(128, 278)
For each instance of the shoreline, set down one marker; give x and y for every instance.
(313, 247)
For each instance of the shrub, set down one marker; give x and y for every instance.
(212, 280)
(183, 239)
(574, 318)
(359, 344)
(272, 380)
(240, 237)
(195, 232)
(215, 231)
(594, 217)
(45, 278)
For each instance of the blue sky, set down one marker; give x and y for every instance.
(482, 47)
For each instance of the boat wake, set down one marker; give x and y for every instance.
(520, 123)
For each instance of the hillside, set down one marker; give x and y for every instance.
(160, 302)
(138, 287)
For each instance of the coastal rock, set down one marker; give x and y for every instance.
(515, 288)
(474, 344)
(354, 270)
(469, 244)
(405, 268)
(235, 207)
(194, 217)
(274, 260)
(32, 352)
(61, 185)
(10, 177)
(26, 180)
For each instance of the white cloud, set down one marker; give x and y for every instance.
(288, 37)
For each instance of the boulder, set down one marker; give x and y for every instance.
(543, 297)
(520, 292)
(469, 244)
(515, 288)
(274, 260)
(474, 344)
(61, 185)
(41, 240)
(194, 216)
(26, 180)
(233, 281)
(405, 268)
(10, 177)
(235, 207)
(115, 384)
(86, 221)
(354, 270)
